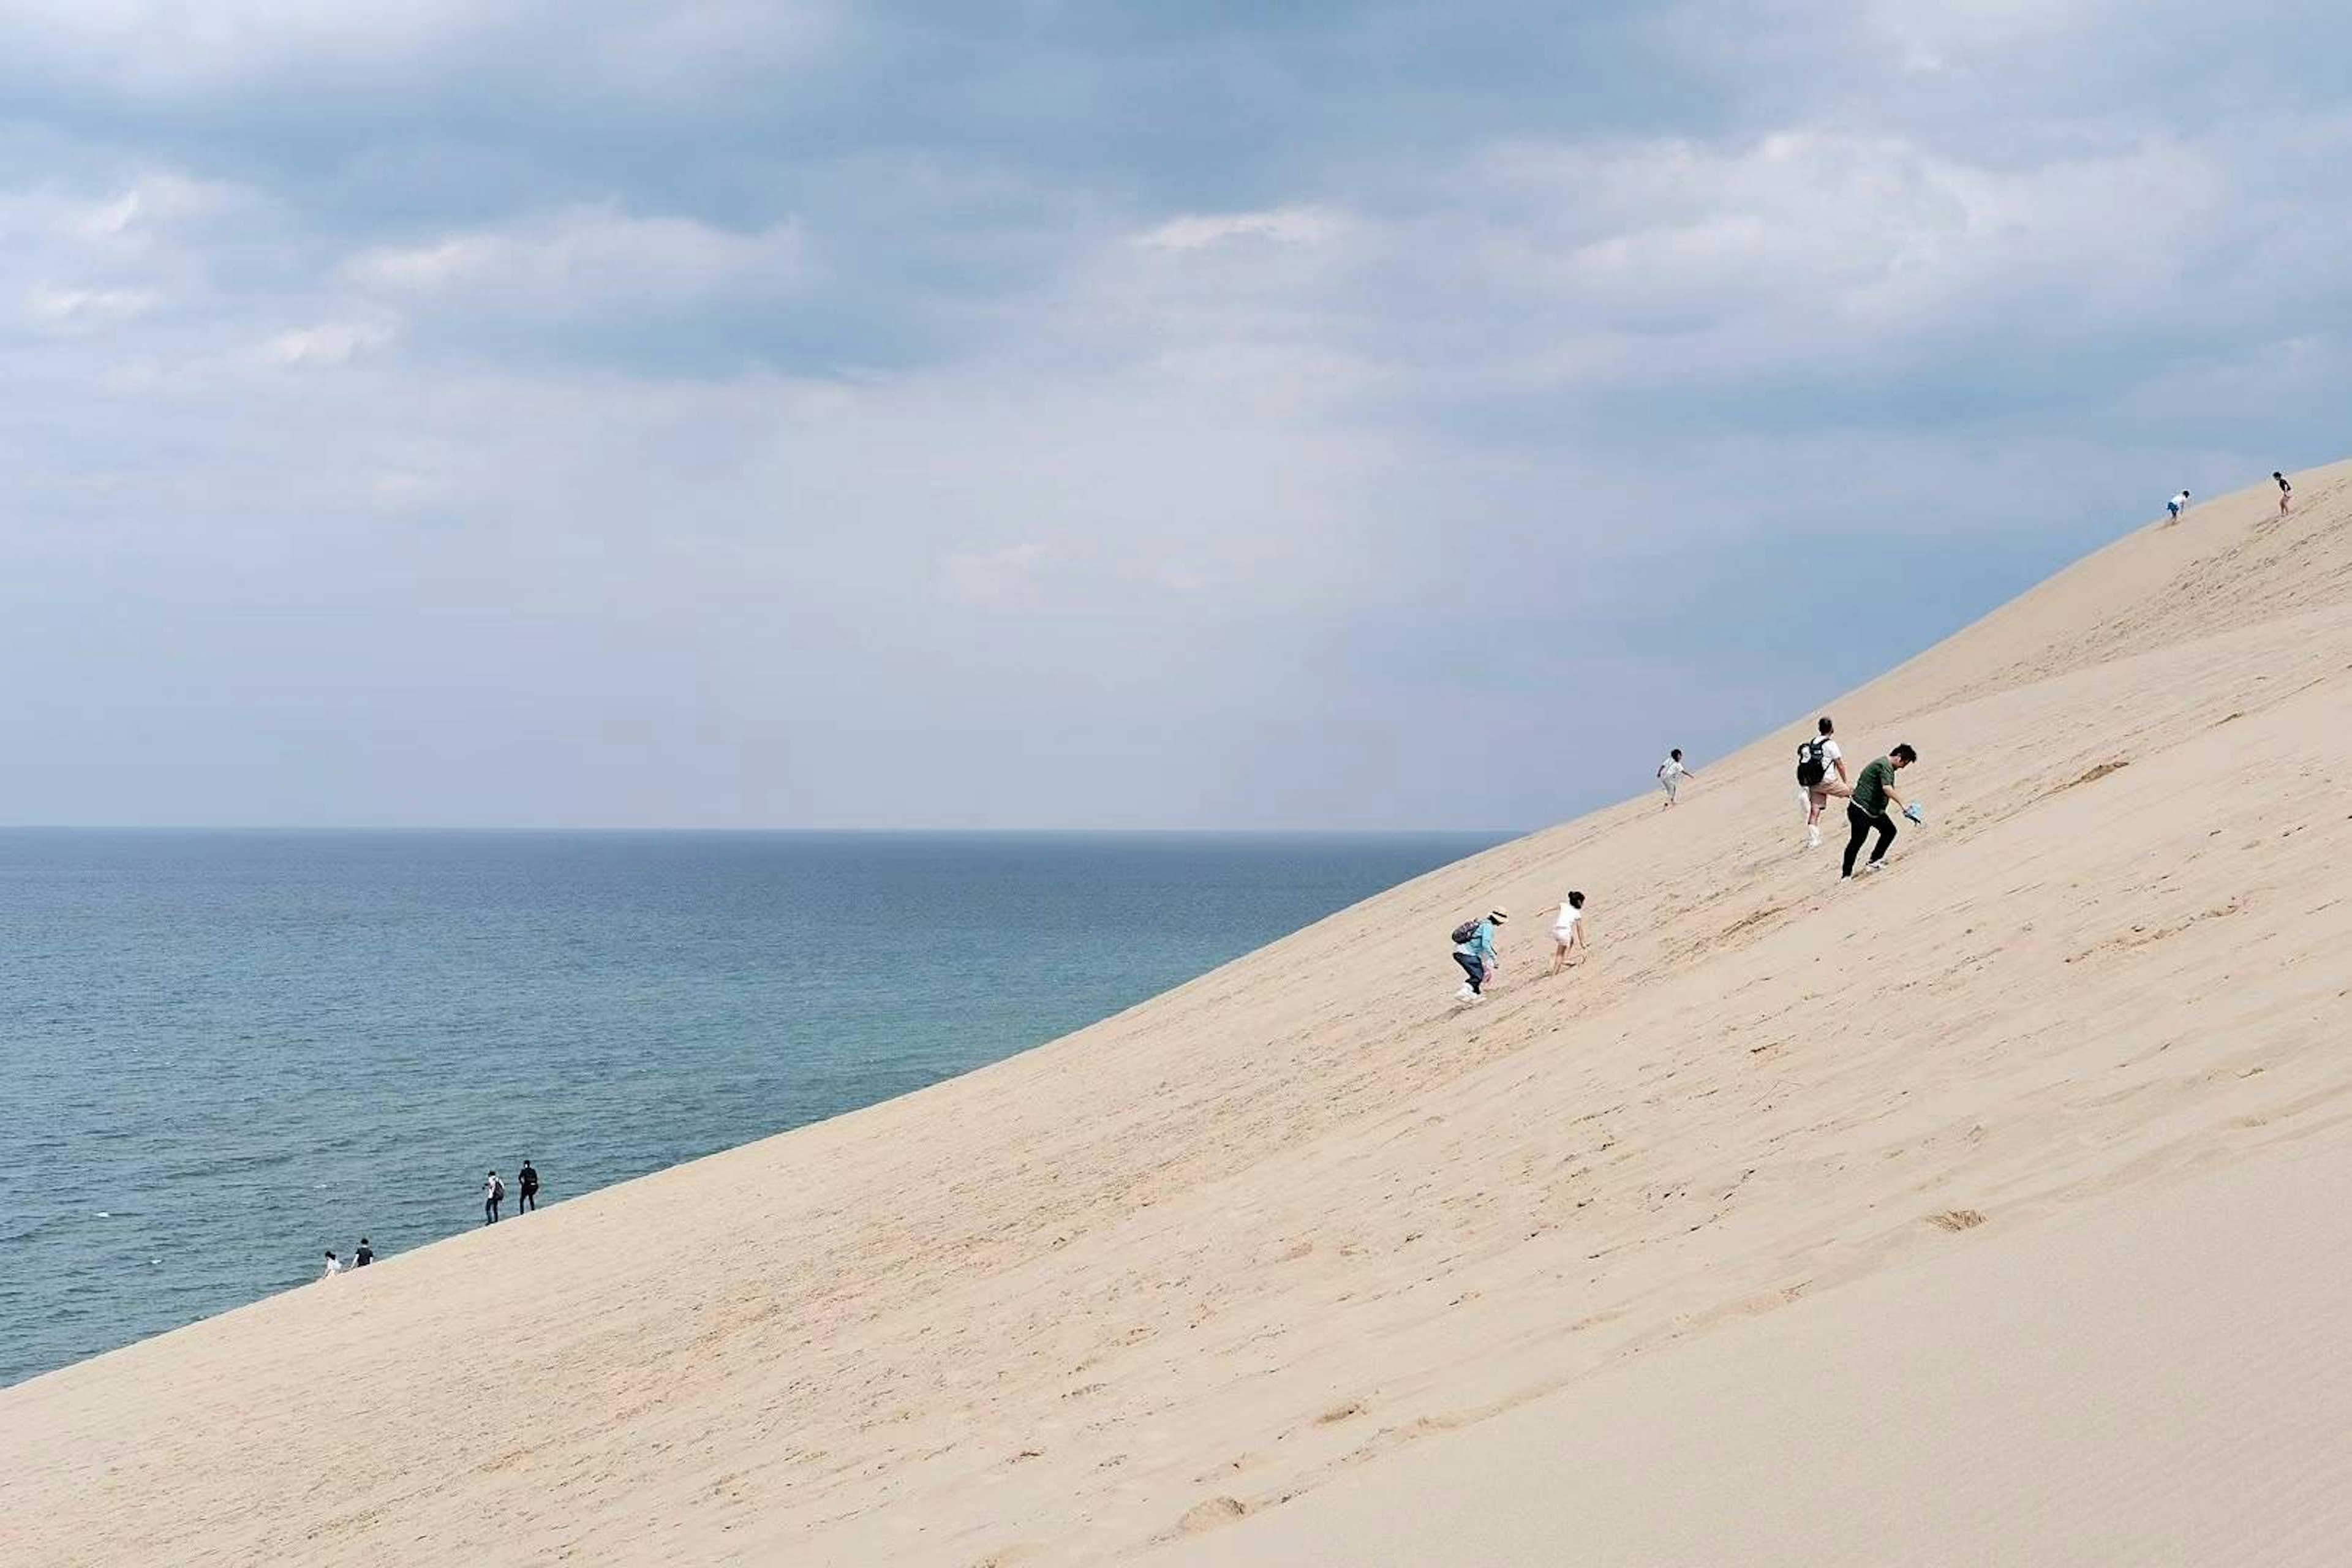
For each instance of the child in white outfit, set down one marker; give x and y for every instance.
(1568, 933)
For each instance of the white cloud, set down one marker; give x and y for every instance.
(1215, 231)
(63, 310)
(327, 344)
(587, 257)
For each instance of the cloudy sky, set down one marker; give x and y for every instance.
(719, 412)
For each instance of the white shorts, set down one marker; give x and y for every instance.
(1561, 934)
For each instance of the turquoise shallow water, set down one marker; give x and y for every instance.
(225, 1052)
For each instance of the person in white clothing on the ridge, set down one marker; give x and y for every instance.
(1568, 933)
(2176, 506)
(1821, 773)
(334, 1266)
(1671, 773)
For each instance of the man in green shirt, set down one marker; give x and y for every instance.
(1867, 812)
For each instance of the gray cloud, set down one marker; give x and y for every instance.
(1029, 415)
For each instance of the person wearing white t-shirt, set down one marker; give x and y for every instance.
(333, 1266)
(1568, 933)
(1821, 773)
(1671, 773)
(2176, 506)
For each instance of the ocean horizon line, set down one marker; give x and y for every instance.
(1501, 835)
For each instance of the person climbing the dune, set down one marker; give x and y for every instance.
(1474, 950)
(2176, 506)
(1865, 813)
(1821, 773)
(2286, 491)
(1568, 932)
(1671, 773)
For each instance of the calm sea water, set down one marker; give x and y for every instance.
(226, 1052)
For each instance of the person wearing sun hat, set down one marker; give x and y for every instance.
(1476, 954)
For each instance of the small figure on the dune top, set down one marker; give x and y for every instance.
(1474, 950)
(525, 1188)
(1866, 811)
(1671, 773)
(1568, 933)
(2286, 491)
(494, 1192)
(363, 1256)
(2176, 506)
(334, 1266)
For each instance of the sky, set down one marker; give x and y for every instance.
(1014, 414)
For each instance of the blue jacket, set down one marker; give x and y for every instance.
(1481, 945)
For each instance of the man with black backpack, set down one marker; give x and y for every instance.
(1821, 773)
(1474, 950)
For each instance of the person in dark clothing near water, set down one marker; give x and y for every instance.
(494, 1192)
(364, 1256)
(1867, 812)
(525, 1188)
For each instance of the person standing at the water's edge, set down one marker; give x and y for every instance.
(494, 1192)
(525, 1188)
(364, 1256)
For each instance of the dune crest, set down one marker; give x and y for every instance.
(1250, 1249)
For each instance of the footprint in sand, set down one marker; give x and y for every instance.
(1208, 1515)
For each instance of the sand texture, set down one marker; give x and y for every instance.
(1977, 1211)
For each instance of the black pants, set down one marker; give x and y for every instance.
(1475, 968)
(529, 1200)
(1862, 822)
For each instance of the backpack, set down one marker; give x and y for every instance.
(1811, 769)
(1465, 932)
(498, 1191)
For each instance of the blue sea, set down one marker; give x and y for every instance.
(225, 1052)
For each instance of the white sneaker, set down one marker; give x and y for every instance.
(1875, 866)
(1812, 838)
(1465, 994)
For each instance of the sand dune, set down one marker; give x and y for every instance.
(1301, 1249)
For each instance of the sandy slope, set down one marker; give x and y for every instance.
(2161, 1379)
(1258, 1235)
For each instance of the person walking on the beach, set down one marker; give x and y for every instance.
(2176, 506)
(334, 1268)
(494, 1192)
(1821, 773)
(1671, 773)
(364, 1256)
(2286, 491)
(1474, 950)
(526, 1189)
(1867, 812)
(1568, 933)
